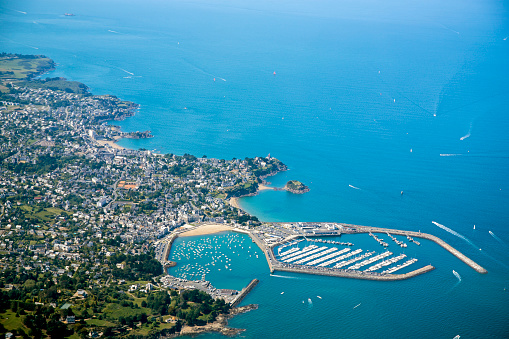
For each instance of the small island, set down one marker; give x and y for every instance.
(296, 187)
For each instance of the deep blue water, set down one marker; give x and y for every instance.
(366, 93)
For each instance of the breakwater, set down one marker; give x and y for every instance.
(245, 291)
(352, 229)
(269, 255)
(354, 274)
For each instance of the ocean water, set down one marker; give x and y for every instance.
(386, 97)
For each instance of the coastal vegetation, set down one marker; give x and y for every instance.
(16, 67)
(57, 84)
(295, 186)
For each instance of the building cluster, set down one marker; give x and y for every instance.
(69, 200)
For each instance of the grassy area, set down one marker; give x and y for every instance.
(12, 67)
(46, 214)
(145, 329)
(74, 336)
(114, 311)
(57, 84)
(100, 323)
(11, 322)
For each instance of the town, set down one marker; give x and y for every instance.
(80, 216)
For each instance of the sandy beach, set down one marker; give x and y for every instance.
(206, 229)
(234, 202)
(111, 143)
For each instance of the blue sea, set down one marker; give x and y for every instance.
(361, 99)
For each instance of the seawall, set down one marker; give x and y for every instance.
(268, 252)
(244, 292)
(355, 274)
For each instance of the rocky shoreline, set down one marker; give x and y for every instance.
(219, 326)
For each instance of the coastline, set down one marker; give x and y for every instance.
(262, 187)
(111, 143)
(206, 229)
(234, 201)
(220, 325)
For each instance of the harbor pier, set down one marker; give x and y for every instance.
(245, 291)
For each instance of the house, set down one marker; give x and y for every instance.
(80, 294)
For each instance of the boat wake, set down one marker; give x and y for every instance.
(471, 243)
(445, 228)
(310, 302)
(203, 71)
(465, 136)
(356, 306)
(450, 155)
(468, 134)
(449, 29)
(125, 71)
(112, 31)
(283, 276)
(497, 238)
(352, 186)
(457, 275)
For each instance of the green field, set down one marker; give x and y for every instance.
(11, 322)
(57, 84)
(46, 214)
(114, 311)
(100, 323)
(22, 68)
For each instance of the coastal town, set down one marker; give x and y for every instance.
(80, 215)
(87, 226)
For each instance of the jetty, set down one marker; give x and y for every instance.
(245, 291)
(354, 274)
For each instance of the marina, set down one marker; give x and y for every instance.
(316, 250)
(397, 268)
(385, 263)
(319, 255)
(348, 255)
(351, 261)
(303, 251)
(298, 252)
(370, 260)
(327, 257)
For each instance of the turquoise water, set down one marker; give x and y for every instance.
(367, 93)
